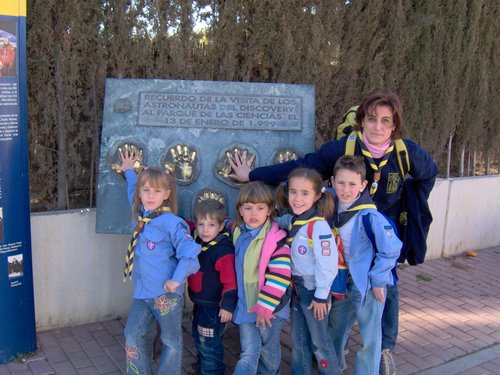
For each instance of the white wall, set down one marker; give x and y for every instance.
(473, 216)
(78, 273)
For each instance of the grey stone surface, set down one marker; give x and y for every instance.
(190, 126)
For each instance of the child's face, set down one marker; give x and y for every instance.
(348, 185)
(254, 214)
(301, 195)
(152, 197)
(208, 228)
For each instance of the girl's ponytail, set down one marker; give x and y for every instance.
(326, 203)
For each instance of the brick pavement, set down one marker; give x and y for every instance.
(449, 325)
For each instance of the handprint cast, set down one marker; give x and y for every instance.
(285, 154)
(211, 194)
(181, 161)
(126, 151)
(235, 157)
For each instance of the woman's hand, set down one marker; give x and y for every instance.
(319, 309)
(241, 166)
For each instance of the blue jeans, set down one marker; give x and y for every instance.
(369, 316)
(309, 336)
(390, 318)
(207, 332)
(166, 309)
(260, 349)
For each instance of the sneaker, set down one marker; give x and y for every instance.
(387, 364)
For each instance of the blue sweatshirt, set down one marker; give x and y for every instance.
(165, 250)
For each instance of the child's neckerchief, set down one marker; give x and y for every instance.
(207, 245)
(376, 168)
(300, 220)
(141, 222)
(363, 201)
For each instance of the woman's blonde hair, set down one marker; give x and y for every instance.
(255, 192)
(157, 178)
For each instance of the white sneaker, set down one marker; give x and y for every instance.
(387, 364)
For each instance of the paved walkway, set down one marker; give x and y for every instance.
(449, 325)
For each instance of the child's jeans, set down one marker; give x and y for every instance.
(310, 335)
(369, 316)
(390, 318)
(207, 332)
(261, 349)
(166, 309)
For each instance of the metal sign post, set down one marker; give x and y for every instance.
(17, 313)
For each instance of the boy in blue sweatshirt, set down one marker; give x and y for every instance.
(371, 250)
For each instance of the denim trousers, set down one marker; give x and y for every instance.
(166, 309)
(369, 316)
(260, 349)
(207, 332)
(390, 318)
(310, 336)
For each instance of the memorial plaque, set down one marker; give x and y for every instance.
(189, 128)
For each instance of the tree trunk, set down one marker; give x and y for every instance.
(61, 131)
(448, 162)
(462, 161)
(474, 155)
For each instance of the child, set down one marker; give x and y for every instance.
(369, 268)
(263, 275)
(213, 287)
(314, 267)
(163, 257)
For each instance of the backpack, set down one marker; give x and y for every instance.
(347, 123)
(339, 286)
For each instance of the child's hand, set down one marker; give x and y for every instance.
(171, 286)
(261, 322)
(225, 316)
(128, 157)
(378, 293)
(319, 309)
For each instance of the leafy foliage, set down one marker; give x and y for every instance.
(440, 56)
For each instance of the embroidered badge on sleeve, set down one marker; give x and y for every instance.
(325, 248)
(388, 230)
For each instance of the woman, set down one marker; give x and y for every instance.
(378, 123)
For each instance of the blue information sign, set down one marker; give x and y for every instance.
(17, 313)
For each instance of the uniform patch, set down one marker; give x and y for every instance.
(323, 363)
(325, 248)
(388, 230)
(302, 249)
(186, 231)
(325, 236)
(150, 245)
(392, 182)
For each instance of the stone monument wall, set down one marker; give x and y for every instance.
(189, 128)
